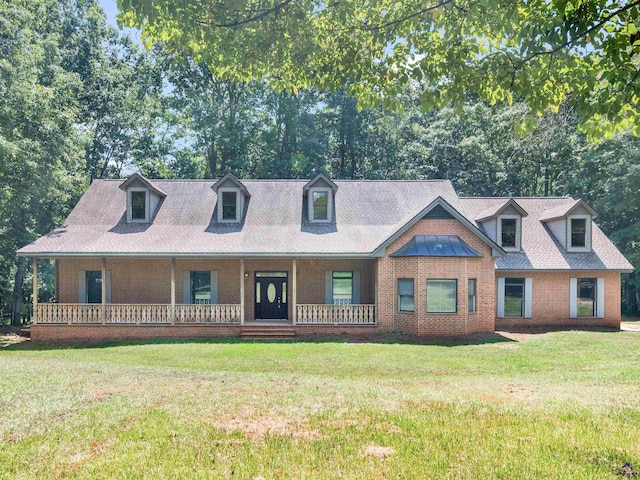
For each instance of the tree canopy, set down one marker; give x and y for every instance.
(583, 52)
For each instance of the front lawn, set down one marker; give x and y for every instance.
(553, 405)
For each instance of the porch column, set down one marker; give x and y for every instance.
(375, 292)
(34, 318)
(173, 291)
(104, 290)
(294, 298)
(242, 291)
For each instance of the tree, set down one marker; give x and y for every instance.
(584, 52)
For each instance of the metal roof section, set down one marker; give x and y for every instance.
(436, 246)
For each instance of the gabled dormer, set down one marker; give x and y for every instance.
(503, 224)
(571, 225)
(232, 196)
(320, 193)
(143, 198)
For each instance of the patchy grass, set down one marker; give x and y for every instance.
(552, 405)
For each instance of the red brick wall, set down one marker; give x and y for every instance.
(310, 279)
(52, 333)
(550, 300)
(422, 268)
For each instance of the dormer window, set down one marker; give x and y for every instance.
(143, 198)
(320, 193)
(579, 233)
(230, 206)
(138, 204)
(319, 208)
(509, 232)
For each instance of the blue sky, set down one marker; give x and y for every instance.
(109, 7)
(111, 10)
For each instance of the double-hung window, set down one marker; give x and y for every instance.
(342, 288)
(405, 295)
(200, 287)
(229, 206)
(471, 294)
(442, 296)
(320, 205)
(586, 301)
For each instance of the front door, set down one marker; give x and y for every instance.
(271, 295)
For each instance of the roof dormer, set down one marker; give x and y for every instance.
(571, 224)
(503, 224)
(232, 196)
(320, 193)
(143, 198)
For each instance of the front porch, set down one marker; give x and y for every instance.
(214, 292)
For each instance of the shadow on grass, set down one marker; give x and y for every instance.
(391, 339)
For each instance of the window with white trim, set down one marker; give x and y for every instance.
(442, 296)
(229, 205)
(406, 295)
(509, 232)
(320, 202)
(471, 294)
(586, 297)
(138, 204)
(578, 232)
(342, 288)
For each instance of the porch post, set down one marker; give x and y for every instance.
(104, 290)
(173, 290)
(242, 291)
(375, 293)
(294, 299)
(34, 318)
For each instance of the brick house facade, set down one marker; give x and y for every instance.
(147, 259)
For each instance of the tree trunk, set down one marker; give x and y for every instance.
(16, 302)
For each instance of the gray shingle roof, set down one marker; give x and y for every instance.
(366, 213)
(540, 249)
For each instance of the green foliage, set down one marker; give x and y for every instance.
(584, 52)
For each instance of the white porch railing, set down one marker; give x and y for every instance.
(123, 313)
(317, 314)
(212, 313)
(81, 313)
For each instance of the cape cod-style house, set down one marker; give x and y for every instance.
(200, 258)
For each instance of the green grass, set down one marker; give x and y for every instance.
(554, 405)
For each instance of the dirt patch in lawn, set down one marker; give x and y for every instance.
(262, 426)
(378, 451)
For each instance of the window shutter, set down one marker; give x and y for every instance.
(82, 286)
(214, 287)
(499, 231)
(600, 299)
(328, 287)
(108, 286)
(186, 287)
(355, 294)
(501, 297)
(587, 236)
(528, 297)
(573, 298)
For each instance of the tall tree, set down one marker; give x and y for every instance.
(584, 52)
